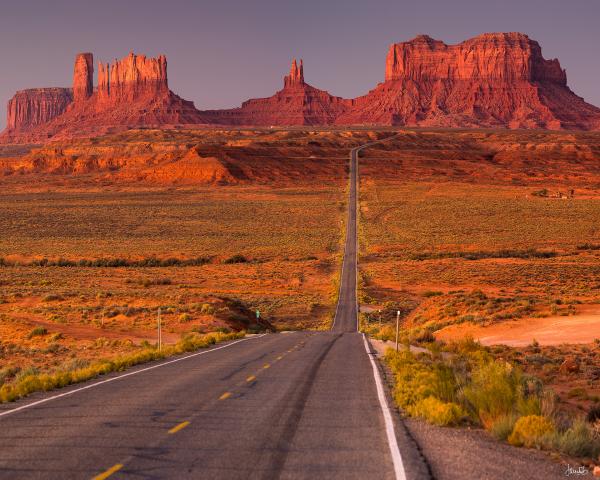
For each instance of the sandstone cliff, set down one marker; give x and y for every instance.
(298, 103)
(36, 106)
(132, 78)
(83, 77)
(497, 80)
(131, 92)
(492, 56)
(493, 80)
(296, 76)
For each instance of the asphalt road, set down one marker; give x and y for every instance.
(290, 405)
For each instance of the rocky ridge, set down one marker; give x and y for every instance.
(495, 80)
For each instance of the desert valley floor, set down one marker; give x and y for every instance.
(485, 233)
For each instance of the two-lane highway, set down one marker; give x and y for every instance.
(295, 405)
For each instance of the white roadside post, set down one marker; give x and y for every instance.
(397, 327)
(159, 331)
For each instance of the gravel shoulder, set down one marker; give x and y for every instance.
(454, 454)
(461, 453)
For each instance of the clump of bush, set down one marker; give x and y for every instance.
(425, 388)
(437, 412)
(465, 384)
(236, 259)
(207, 309)
(30, 380)
(52, 298)
(148, 282)
(530, 431)
(112, 262)
(481, 254)
(37, 331)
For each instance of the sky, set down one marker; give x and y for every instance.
(222, 52)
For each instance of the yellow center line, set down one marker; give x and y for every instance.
(251, 378)
(225, 396)
(109, 472)
(266, 365)
(279, 357)
(181, 426)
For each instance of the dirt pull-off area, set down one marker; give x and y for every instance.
(581, 328)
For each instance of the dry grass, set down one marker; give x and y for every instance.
(91, 255)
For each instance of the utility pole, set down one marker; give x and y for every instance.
(397, 327)
(159, 331)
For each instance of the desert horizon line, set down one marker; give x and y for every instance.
(163, 56)
(498, 79)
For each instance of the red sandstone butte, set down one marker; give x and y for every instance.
(132, 78)
(493, 80)
(131, 92)
(298, 103)
(36, 106)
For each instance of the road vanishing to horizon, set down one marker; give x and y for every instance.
(297, 405)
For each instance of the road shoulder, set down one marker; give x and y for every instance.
(459, 453)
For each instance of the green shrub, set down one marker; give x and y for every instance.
(7, 372)
(37, 331)
(236, 259)
(503, 426)
(579, 441)
(414, 380)
(531, 431)
(437, 412)
(55, 337)
(432, 293)
(29, 380)
(52, 298)
(207, 309)
(493, 391)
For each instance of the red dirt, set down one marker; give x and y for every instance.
(582, 328)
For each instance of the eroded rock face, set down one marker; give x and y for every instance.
(83, 77)
(131, 78)
(492, 56)
(298, 103)
(493, 80)
(131, 92)
(36, 106)
(296, 76)
(497, 80)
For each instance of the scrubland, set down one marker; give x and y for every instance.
(91, 250)
(491, 235)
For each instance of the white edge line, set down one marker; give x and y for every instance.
(112, 379)
(387, 418)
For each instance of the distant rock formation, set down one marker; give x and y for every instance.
(495, 80)
(132, 92)
(83, 77)
(491, 56)
(296, 76)
(132, 78)
(36, 106)
(298, 103)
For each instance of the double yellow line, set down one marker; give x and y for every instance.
(251, 379)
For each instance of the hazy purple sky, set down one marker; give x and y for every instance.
(222, 52)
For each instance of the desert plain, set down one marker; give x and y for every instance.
(490, 234)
